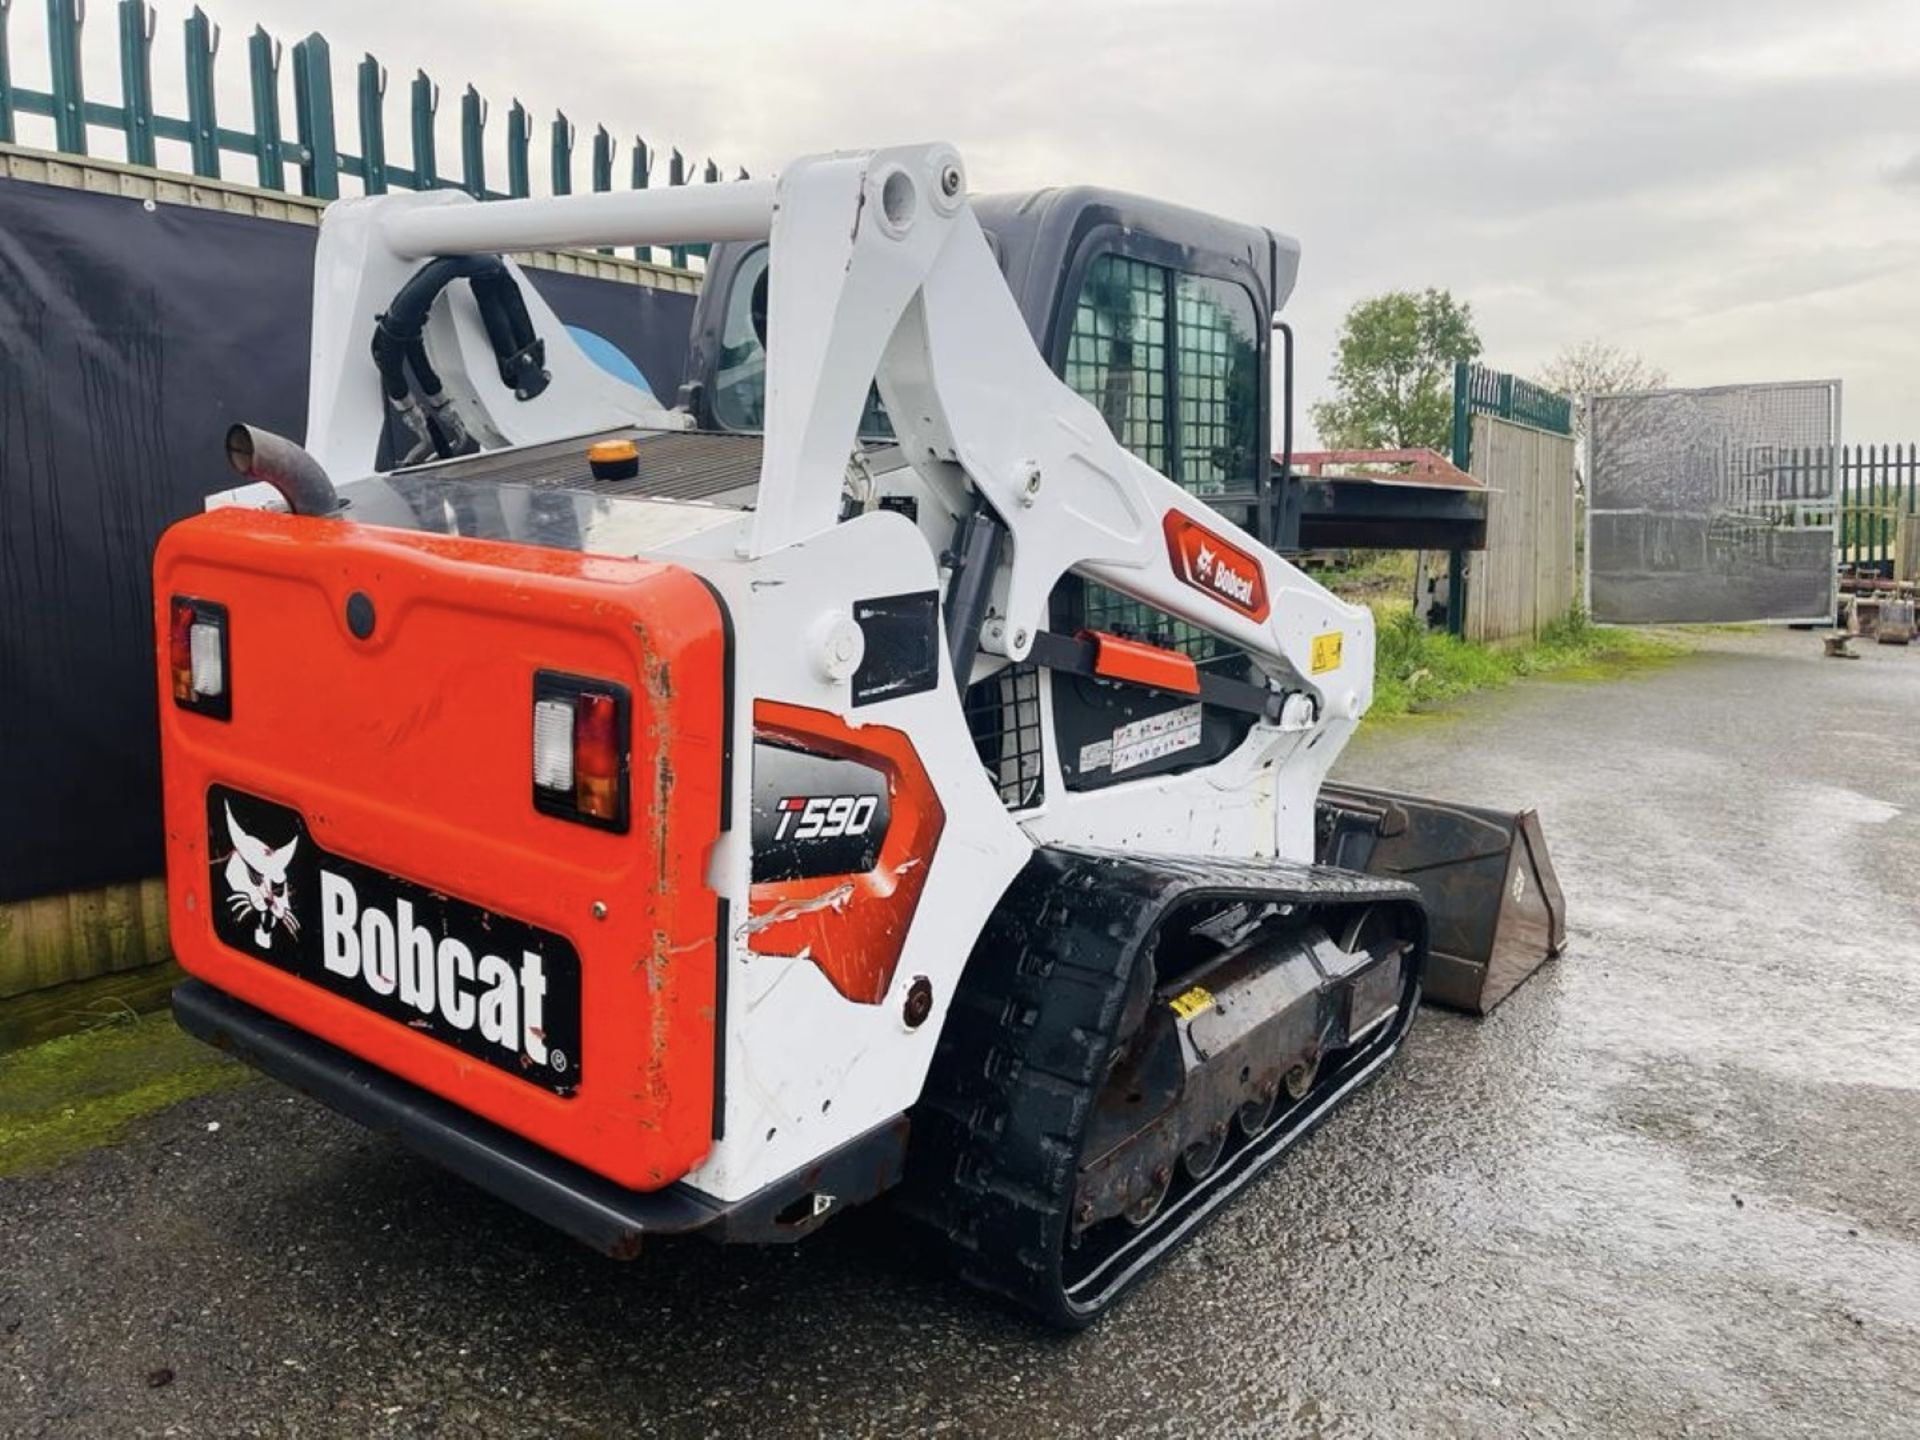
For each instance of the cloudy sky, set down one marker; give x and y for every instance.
(1731, 187)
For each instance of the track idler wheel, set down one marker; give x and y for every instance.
(1252, 1117)
(1297, 1083)
(1147, 1205)
(1255, 1115)
(1199, 1158)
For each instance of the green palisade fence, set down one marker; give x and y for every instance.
(1879, 485)
(1871, 488)
(314, 152)
(1480, 391)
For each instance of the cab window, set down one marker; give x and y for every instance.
(1216, 366)
(1117, 352)
(1172, 362)
(740, 379)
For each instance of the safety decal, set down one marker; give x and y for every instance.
(1148, 739)
(1097, 755)
(1190, 1003)
(1326, 652)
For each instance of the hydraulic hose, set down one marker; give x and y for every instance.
(398, 336)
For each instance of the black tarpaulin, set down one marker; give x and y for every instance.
(131, 336)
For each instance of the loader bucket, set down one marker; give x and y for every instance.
(1494, 908)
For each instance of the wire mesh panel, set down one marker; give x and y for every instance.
(1143, 333)
(1217, 376)
(1003, 714)
(1713, 505)
(1116, 354)
(1087, 605)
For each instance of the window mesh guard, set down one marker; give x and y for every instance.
(1116, 614)
(1003, 715)
(1145, 338)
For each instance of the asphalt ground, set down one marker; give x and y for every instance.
(1671, 1188)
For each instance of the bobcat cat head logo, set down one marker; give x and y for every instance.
(257, 879)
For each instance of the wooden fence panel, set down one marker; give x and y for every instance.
(81, 935)
(1525, 579)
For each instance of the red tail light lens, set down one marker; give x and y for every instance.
(180, 651)
(580, 749)
(197, 656)
(596, 756)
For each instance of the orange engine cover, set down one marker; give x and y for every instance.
(356, 848)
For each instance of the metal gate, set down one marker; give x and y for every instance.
(1713, 505)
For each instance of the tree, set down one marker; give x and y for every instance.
(1593, 367)
(1393, 375)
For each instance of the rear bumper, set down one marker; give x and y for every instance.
(589, 1207)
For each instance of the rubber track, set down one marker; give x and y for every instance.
(997, 1135)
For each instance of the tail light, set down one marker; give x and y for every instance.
(580, 749)
(197, 656)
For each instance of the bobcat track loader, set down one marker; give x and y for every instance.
(692, 820)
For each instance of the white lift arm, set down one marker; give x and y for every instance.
(879, 272)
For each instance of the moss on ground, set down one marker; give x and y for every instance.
(1417, 669)
(69, 1095)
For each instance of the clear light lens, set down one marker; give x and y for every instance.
(204, 645)
(553, 745)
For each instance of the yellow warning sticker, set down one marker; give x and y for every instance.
(1326, 652)
(1191, 1002)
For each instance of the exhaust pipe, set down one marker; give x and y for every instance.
(262, 455)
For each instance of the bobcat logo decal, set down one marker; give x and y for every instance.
(257, 880)
(495, 989)
(1216, 567)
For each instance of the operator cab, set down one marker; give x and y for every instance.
(1161, 318)
(1158, 315)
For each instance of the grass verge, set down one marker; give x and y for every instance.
(71, 1094)
(1417, 669)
